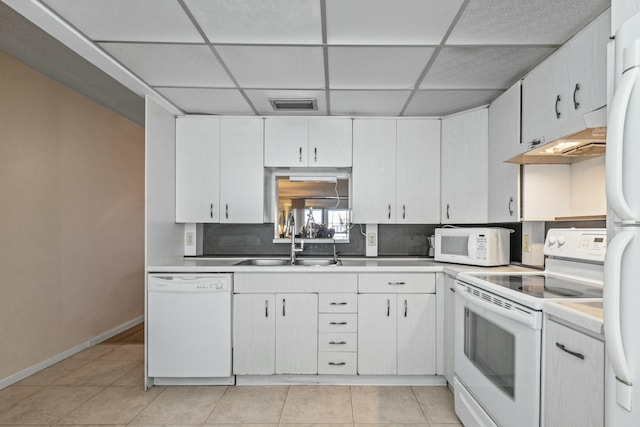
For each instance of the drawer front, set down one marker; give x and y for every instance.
(338, 303)
(396, 283)
(338, 322)
(338, 341)
(337, 363)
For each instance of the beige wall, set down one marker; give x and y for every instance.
(71, 218)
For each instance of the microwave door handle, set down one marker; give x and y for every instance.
(615, 145)
(611, 310)
(471, 245)
(511, 314)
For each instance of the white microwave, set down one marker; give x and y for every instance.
(484, 246)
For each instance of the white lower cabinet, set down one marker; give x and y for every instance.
(573, 377)
(275, 334)
(338, 334)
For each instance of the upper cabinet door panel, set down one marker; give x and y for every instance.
(286, 142)
(330, 142)
(241, 170)
(197, 169)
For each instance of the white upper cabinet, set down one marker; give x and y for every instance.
(504, 143)
(374, 171)
(197, 169)
(566, 85)
(465, 168)
(396, 171)
(418, 172)
(307, 142)
(241, 170)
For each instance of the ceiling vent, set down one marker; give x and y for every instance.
(294, 104)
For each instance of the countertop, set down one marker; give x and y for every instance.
(587, 315)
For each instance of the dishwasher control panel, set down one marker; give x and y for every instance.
(190, 283)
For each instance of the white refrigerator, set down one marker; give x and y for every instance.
(622, 262)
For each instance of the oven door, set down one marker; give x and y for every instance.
(497, 359)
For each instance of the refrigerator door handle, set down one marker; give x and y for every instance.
(615, 144)
(611, 309)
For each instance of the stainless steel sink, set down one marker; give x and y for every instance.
(317, 262)
(264, 262)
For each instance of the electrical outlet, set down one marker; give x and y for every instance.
(526, 243)
(190, 238)
(371, 239)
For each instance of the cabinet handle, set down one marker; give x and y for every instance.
(389, 212)
(510, 208)
(337, 343)
(300, 154)
(266, 308)
(315, 154)
(211, 210)
(405, 308)
(558, 99)
(284, 302)
(573, 353)
(388, 307)
(452, 290)
(337, 323)
(404, 211)
(338, 303)
(396, 283)
(576, 104)
(337, 363)
(447, 210)
(226, 210)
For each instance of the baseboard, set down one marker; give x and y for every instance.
(19, 376)
(368, 380)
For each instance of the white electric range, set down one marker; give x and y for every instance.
(498, 327)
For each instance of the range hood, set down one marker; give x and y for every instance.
(589, 141)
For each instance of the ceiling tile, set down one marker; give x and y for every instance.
(445, 102)
(389, 22)
(127, 20)
(171, 65)
(524, 22)
(367, 102)
(376, 67)
(275, 67)
(260, 100)
(208, 101)
(265, 22)
(482, 67)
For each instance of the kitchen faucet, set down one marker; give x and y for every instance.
(294, 249)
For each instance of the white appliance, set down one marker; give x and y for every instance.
(189, 329)
(622, 264)
(485, 246)
(498, 328)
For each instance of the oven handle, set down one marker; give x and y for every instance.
(523, 317)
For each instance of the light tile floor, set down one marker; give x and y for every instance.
(103, 386)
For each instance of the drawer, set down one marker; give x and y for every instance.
(396, 283)
(337, 363)
(337, 322)
(338, 303)
(337, 341)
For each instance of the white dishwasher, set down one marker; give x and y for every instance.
(189, 329)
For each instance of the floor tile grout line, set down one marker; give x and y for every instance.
(215, 405)
(57, 422)
(420, 406)
(284, 403)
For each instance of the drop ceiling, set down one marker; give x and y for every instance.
(356, 57)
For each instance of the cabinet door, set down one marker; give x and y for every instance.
(297, 334)
(197, 169)
(448, 327)
(330, 143)
(418, 172)
(286, 142)
(416, 334)
(504, 143)
(254, 334)
(241, 170)
(573, 386)
(465, 168)
(377, 326)
(374, 172)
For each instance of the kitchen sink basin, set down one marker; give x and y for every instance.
(264, 262)
(317, 262)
